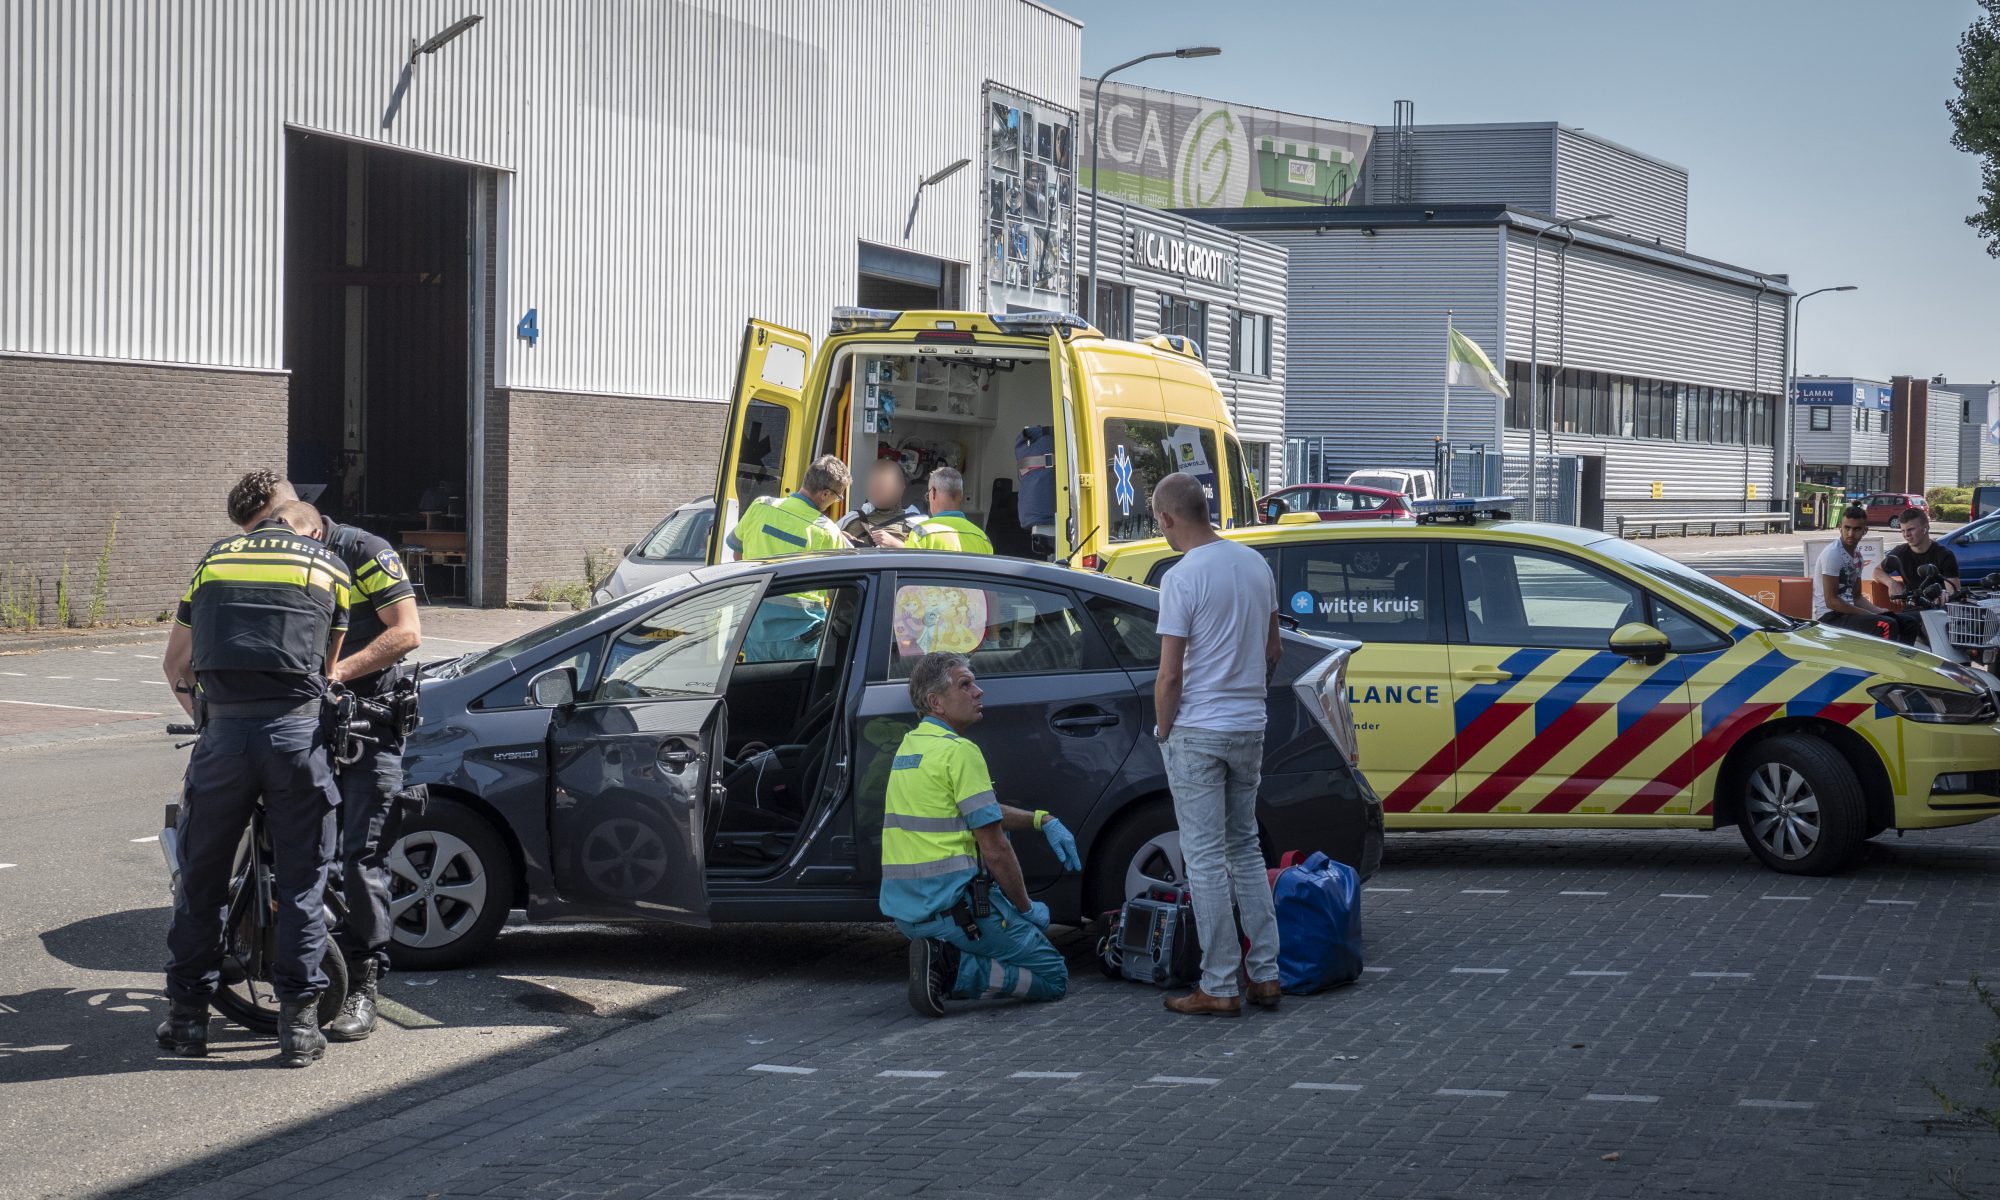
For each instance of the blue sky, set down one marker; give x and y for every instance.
(1814, 132)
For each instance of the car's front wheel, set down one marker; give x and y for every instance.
(1801, 808)
(451, 885)
(1142, 852)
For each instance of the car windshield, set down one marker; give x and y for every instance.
(1691, 583)
(555, 631)
(682, 535)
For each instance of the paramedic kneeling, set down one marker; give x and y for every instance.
(950, 879)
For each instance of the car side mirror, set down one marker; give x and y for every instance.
(628, 549)
(553, 688)
(1640, 642)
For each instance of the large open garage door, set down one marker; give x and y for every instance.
(378, 327)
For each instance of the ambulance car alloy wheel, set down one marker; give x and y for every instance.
(451, 884)
(1801, 808)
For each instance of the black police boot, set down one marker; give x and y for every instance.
(185, 1031)
(300, 1043)
(357, 1012)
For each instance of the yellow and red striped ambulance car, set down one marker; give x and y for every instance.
(1521, 675)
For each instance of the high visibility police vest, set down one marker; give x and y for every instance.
(267, 600)
(774, 528)
(939, 791)
(950, 531)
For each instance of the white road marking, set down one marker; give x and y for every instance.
(457, 641)
(1379, 970)
(1469, 1092)
(773, 1069)
(1911, 903)
(1774, 1104)
(1599, 974)
(104, 679)
(1584, 893)
(148, 657)
(55, 677)
(1483, 891)
(1381, 889)
(909, 1074)
(1786, 897)
(1683, 895)
(1718, 974)
(154, 682)
(1326, 1087)
(6, 866)
(106, 653)
(15, 674)
(1621, 1098)
(154, 838)
(81, 708)
(1479, 970)
(1201, 1080)
(1846, 978)
(1046, 1075)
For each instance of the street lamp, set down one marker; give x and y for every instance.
(1792, 399)
(925, 182)
(1096, 130)
(1535, 352)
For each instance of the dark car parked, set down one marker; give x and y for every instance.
(716, 747)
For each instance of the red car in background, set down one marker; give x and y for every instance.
(1886, 508)
(1335, 502)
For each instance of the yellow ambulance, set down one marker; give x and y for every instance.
(1521, 675)
(998, 397)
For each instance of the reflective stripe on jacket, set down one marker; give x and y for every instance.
(774, 528)
(950, 531)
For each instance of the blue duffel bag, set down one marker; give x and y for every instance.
(1319, 925)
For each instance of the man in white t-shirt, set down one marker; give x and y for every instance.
(1837, 596)
(1218, 646)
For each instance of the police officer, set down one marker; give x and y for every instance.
(255, 631)
(379, 634)
(950, 880)
(798, 523)
(946, 528)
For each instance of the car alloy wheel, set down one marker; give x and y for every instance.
(437, 888)
(1158, 863)
(1784, 812)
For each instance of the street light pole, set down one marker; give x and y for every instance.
(1792, 399)
(1535, 356)
(1097, 128)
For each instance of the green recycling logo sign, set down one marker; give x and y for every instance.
(1214, 161)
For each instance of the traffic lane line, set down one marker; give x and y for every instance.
(130, 712)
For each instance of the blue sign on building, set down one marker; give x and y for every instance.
(1844, 393)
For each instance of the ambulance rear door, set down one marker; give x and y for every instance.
(1071, 503)
(770, 431)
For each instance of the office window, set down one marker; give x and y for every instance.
(1185, 318)
(1821, 418)
(1249, 343)
(1114, 308)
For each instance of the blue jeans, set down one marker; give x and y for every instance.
(284, 760)
(1011, 957)
(1214, 777)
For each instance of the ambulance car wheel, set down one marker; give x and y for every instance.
(1801, 808)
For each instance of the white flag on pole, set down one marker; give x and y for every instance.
(1468, 366)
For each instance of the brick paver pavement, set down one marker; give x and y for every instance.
(1546, 1014)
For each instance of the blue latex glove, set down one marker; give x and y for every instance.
(1063, 843)
(1038, 915)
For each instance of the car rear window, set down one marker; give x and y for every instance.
(1001, 630)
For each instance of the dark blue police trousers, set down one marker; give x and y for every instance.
(285, 760)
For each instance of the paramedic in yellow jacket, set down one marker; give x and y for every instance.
(798, 523)
(950, 880)
(947, 527)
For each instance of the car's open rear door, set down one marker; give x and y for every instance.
(770, 429)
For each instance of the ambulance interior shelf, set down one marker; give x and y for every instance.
(928, 411)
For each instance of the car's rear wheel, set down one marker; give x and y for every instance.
(1801, 808)
(1142, 852)
(451, 885)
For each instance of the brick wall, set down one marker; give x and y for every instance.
(585, 471)
(157, 446)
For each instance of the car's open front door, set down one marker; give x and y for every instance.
(770, 431)
(629, 815)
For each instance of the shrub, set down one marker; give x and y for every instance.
(1949, 495)
(62, 594)
(598, 564)
(100, 589)
(1951, 512)
(560, 591)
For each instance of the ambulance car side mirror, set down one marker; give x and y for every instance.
(553, 688)
(1640, 642)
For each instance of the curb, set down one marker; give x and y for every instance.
(116, 635)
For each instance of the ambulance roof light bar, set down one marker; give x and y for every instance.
(849, 319)
(1038, 322)
(1463, 510)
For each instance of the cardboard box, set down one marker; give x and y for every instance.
(1787, 594)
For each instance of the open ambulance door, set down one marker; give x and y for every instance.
(770, 430)
(1072, 495)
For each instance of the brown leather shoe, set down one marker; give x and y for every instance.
(1198, 1003)
(1265, 995)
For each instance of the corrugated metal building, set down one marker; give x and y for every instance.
(1978, 432)
(500, 280)
(1841, 430)
(1662, 372)
(1162, 273)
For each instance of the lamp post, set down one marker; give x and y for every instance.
(1792, 399)
(1097, 129)
(1535, 354)
(928, 181)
